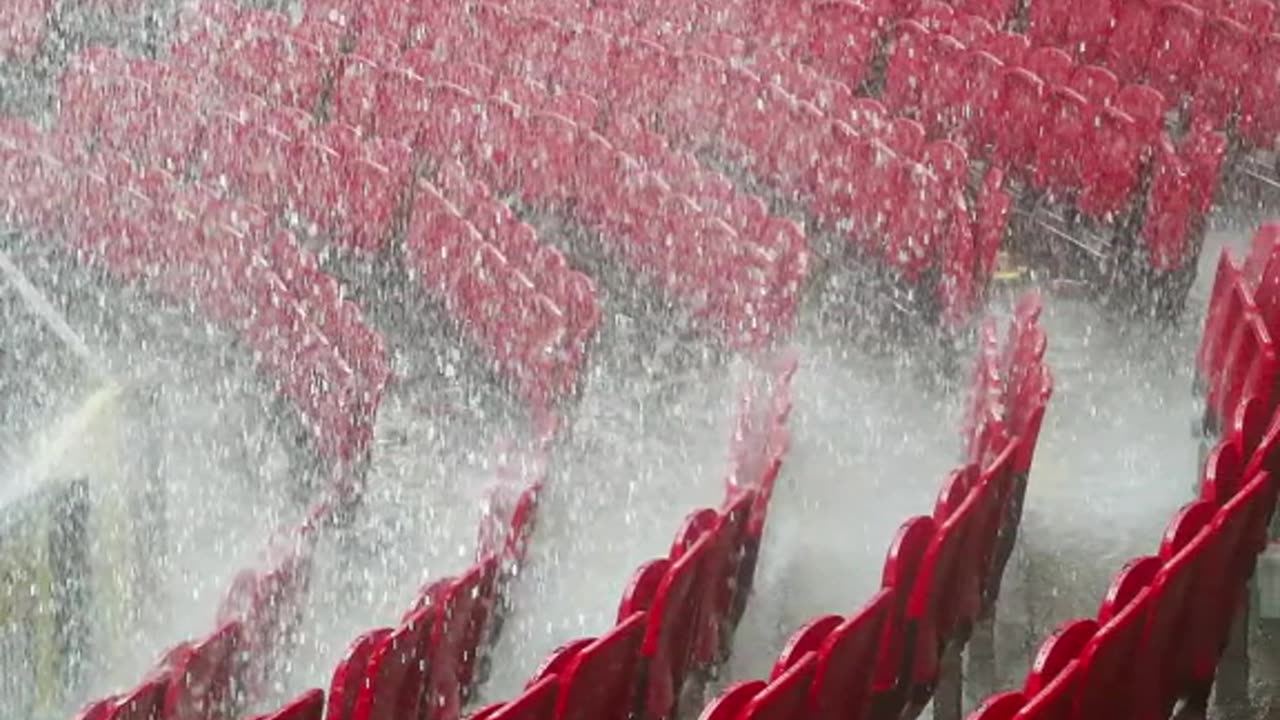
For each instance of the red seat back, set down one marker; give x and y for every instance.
(599, 683)
(1164, 643)
(786, 696)
(643, 588)
(349, 675)
(396, 674)
(308, 706)
(204, 680)
(846, 662)
(729, 705)
(1057, 652)
(1106, 680)
(672, 624)
(901, 570)
(943, 589)
(808, 639)
(537, 702)
(144, 702)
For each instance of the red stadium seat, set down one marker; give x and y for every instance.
(668, 648)
(1057, 652)
(1146, 106)
(1226, 557)
(1226, 48)
(1129, 49)
(983, 74)
(204, 677)
(846, 661)
(1260, 105)
(946, 98)
(1009, 48)
(842, 40)
(144, 702)
(1022, 98)
(1051, 65)
(1166, 228)
(1111, 168)
(1204, 149)
(599, 683)
(1258, 15)
(944, 596)
(349, 675)
(537, 702)
(1175, 52)
(909, 64)
(901, 570)
(1163, 645)
(394, 675)
(1088, 28)
(1225, 310)
(560, 658)
(971, 29)
(787, 695)
(729, 705)
(1058, 168)
(1106, 673)
(1096, 84)
(808, 639)
(1047, 22)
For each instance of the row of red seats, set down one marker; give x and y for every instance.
(217, 676)
(1237, 357)
(1089, 152)
(329, 180)
(942, 574)
(355, 100)
(1217, 55)
(375, 75)
(518, 45)
(490, 279)
(694, 99)
(1167, 618)
(1067, 145)
(985, 89)
(191, 245)
(678, 613)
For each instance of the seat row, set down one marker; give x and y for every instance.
(677, 614)
(375, 73)
(327, 180)
(942, 574)
(1217, 55)
(975, 92)
(452, 619)
(1237, 355)
(700, 101)
(1167, 618)
(490, 49)
(516, 45)
(1090, 153)
(401, 83)
(194, 247)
